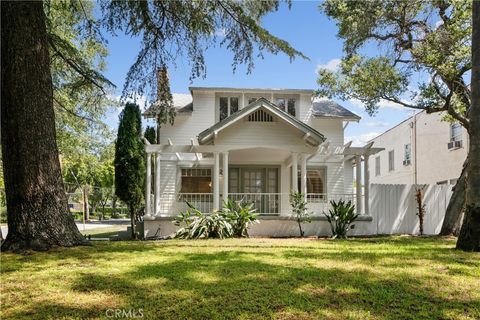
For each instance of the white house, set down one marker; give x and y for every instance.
(242, 143)
(424, 149)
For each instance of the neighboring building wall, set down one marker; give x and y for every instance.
(435, 163)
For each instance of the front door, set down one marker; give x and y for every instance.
(256, 185)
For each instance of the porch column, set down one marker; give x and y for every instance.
(358, 163)
(225, 176)
(294, 184)
(216, 187)
(366, 188)
(157, 184)
(148, 186)
(303, 173)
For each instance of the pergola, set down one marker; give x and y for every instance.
(299, 153)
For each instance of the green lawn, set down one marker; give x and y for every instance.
(379, 278)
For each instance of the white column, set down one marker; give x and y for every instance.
(148, 186)
(366, 188)
(157, 184)
(303, 173)
(358, 163)
(216, 187)
(225, 176)
(294, 184)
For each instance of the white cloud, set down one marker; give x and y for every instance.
(382, 104)
(362, 139)
(331, 65)
(379, 124)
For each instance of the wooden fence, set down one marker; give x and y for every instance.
(394, 208)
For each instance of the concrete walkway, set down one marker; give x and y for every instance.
(89, 225)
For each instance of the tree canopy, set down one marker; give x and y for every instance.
(424, 61)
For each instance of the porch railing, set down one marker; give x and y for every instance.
(264, 203)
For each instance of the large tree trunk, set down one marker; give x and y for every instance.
(38, 215)
(469, 238)
(454, 214)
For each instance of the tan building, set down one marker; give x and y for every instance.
(420, 150)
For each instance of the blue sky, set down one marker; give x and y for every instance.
(305, 28)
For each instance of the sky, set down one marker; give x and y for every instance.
(305, 28)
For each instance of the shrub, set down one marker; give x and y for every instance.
(341, 216)
(202, 226)
(299, 209)
(240, 214)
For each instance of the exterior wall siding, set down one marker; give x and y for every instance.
(435, 162)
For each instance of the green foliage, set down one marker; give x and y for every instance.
(164, 110)
(150, 134)
(424, 58)
(341, 216)
(299, 209)
(170, 29)
(78, 54)
(130, 158)
(198, 225)
(240, 214)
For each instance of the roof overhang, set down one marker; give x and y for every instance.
(311, 136)
(253, 90)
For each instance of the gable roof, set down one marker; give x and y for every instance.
(330, 109)
(314, 137)
(181, 102)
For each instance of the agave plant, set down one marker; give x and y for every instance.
(240, 214)
(198, 225)
(341, 216)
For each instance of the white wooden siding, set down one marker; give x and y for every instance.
(188, 126)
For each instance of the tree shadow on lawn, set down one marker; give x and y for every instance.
(236, 285)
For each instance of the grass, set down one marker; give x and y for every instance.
(376, 278)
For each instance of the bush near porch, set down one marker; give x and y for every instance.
(376, 278)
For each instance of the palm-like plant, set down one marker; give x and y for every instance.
(202, 226)
(341, 216)
(240, 214)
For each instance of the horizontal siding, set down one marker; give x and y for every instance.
(188, 126)
(260, 133)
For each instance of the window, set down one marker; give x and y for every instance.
(407, 157)
(315, 183)
(228, 106)
(252, 100)
(196, 181)
(455, 132)
(291, 107)
(391, 160)
(377, 166)
(280, 102)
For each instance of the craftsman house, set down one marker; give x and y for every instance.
(257, 145)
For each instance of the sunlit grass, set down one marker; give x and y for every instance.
(379, 278)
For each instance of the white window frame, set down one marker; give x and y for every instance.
(391, 160)
(458, 136)
(377, 166)
(229, 103)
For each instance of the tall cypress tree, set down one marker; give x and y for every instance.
(130, 161)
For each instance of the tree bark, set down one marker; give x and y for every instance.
(38, 216)
(469, 238)
(454, 214)
(132, 222)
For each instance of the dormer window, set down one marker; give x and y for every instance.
(287, 105)
(228, 106)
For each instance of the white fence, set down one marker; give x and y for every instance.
(394, 208)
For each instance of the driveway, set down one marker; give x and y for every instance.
(89, 225)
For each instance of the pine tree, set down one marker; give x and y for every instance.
(130, 161)
(150, 134)
(164, 109)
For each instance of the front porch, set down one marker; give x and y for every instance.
(208, 175)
